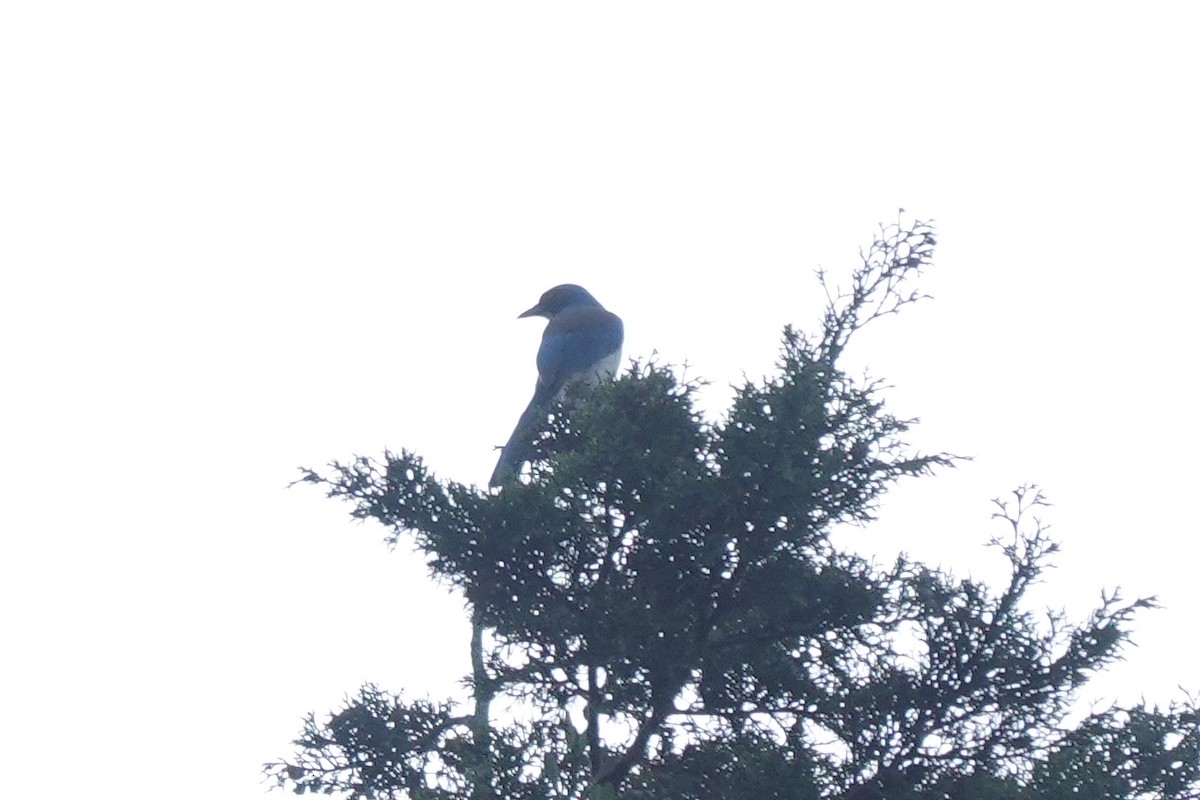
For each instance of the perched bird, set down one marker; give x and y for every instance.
(582, 342)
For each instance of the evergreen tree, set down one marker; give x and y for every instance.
(660, 595)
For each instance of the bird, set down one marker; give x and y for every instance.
(582, 343)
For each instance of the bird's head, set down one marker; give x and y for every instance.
(560, 297)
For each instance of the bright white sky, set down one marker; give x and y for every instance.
(240, 237)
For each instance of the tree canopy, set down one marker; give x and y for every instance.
(660, 597)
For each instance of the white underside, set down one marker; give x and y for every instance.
(602, 370)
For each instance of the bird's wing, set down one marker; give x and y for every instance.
(575, 340)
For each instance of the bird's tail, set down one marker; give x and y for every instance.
(519, 449)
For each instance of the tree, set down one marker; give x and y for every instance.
(661, 596)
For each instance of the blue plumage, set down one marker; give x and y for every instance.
(582, 342)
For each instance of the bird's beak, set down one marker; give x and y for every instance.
(536, 311)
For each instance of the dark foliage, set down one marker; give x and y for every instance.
(662, 596)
